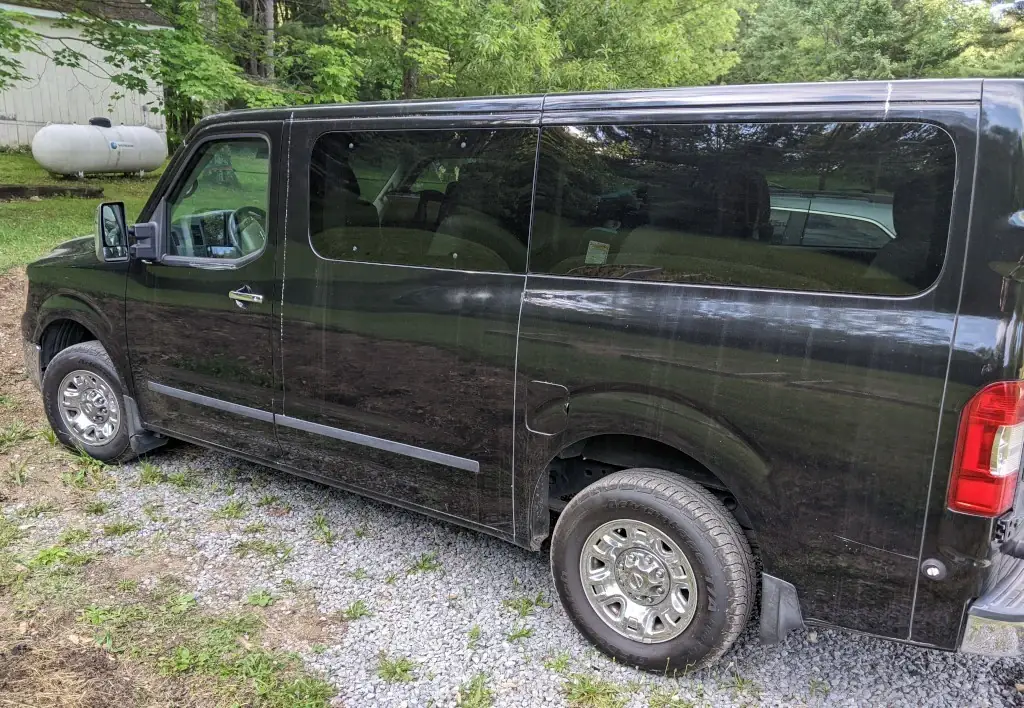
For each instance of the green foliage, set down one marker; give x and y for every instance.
(475, 693)
(525, 605)
(357, 610)
(15, 37)
(261, 598)
(585, 691)
(397, 669)
(811, 40)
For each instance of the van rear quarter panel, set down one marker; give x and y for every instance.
(818, 411)
(988, 346)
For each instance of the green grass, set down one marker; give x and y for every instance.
(261, 598)
(150, 473)
(38, 509)
(559, 663)
(128, 585)
(17, 472)
(120, 528)
(583, 691)
(185, 480)
(357, 610)
(30, 229)
(474, 635)
(259, 547)
(96, 507)
(232, 510)
(424, 563)
(518, 633)
(475, 693)
(524, 606)
(664, 698)
(16, 432)
(322, 529)
(71, 537)
(394, 670)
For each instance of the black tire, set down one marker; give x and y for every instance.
(703, 529)
(91, 357)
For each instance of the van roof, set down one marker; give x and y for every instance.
(842, 92)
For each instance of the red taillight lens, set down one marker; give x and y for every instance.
(988, 451)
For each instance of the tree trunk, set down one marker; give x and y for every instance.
(268, 38)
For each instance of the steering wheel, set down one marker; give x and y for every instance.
(248, 223)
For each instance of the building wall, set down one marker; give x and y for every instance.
(55, 94)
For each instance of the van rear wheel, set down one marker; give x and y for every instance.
(653, 570)
(84, 402)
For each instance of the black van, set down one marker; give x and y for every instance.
(716, 344)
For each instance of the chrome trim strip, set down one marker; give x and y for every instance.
(212, 402)
(381, 444)
(418, 453)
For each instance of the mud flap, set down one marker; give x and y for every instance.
(780, 609)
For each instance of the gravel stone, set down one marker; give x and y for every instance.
(427, 616)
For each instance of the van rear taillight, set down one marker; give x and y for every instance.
(988, 451)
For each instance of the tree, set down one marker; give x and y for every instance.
(812, 40)
(15, 38)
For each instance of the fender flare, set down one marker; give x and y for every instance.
(83, 311)
(672, 422)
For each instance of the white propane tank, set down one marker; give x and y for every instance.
(83, 149)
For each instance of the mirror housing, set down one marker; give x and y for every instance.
(147, 244)
(111, 232)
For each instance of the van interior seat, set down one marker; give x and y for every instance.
(920, 214)
(468, 226)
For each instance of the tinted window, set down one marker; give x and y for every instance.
(438, 198)
(219, 210)
(844, 207)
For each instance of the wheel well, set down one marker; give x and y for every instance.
(584, 462)
(60, 335)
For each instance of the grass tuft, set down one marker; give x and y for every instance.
(424, 563)
(473, 635)
(96, 507)
(260, 547)
(234, 509)
(186, 480)
(357, 610)
(394, 670)
(120, 528)
(525, 606)
(584, 691)
(559, 663)
(475, 693)
(518, 633)
(150, 473)
(14, 433)
(260, 598)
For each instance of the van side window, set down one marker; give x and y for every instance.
(836, 207)
(435, 198)
(219, 210)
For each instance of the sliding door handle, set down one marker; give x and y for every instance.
(243, 296)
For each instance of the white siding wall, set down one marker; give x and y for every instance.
(55, 94)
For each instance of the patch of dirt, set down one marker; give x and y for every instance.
(14, 383)
(44, 665)
(294, 622)
(149, 568)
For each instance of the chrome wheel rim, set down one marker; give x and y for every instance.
(638, 581)
(89, 408)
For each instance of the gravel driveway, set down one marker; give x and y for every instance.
(439, 596)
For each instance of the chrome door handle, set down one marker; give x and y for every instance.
(244, 295)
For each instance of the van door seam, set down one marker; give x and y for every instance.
(949, 359)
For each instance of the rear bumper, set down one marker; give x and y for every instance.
(995, 622)
(32, 364)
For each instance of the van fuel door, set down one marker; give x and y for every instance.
(547, 407)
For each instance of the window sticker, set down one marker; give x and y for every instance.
(597, 253)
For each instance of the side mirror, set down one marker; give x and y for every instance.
(111, 232)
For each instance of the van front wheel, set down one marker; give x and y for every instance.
(653, 570)
(84, 402)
